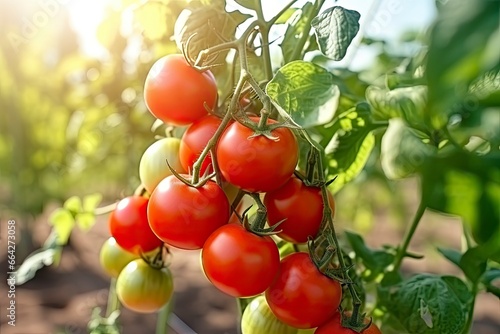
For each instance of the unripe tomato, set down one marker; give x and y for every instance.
(142, 288)
(113, 258)
(259, 319)
(176, 93)
(153, 166)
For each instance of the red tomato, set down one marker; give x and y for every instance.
(238, 262)
(257, 164)
(194, 141)
(334, 326)
(175, 92)
(300, 205)
(301, 296)
(184, 216)
(128, 224)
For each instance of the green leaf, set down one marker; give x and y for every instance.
(63, 222)
(73, 204)
(206, 25)
(90, 202)
(451, 255)
(407, 103)
(403, 150)
(490, 276)
(376, 261)
(286, 16)
(34, 262)
(467, 33)
(350, 147)
(306, 91)
(473, 264)
(297, 27)
(85, 220)
(250, 4)
(468, 186)
(428, 303)
(335, 29)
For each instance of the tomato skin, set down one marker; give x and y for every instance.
(258, 318)
(153, 167)
(238, 262)
(129, 225)
(301, 296)
(301, 207)
(142, 288)
(194, 141)
(184, 216)
(334, 326)
(175, 92)
(257, 164)
(113, 258)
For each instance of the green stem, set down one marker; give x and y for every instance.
(470, 316)
(162, 320)
(264, 32)
(409, 235)
(113, 302)
(299, 48)
(281, 12)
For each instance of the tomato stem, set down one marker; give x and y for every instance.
(162, 319)
(113, 302)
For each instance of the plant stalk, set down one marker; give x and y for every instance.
(113, 302)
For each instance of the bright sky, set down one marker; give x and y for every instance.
(385, 19)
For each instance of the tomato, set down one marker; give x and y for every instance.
(194, 141)
(113, 258)
(153, 167)
(176, 93)
(334, 326)
(129, 225)
(301, 296)
(184, 216)
(301, 207)
(258, 319)
(238, 262)
(143, 288)
(257, 164)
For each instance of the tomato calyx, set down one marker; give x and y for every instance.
(159, 260)
(355, 321)
(204, 179)
(259, 221)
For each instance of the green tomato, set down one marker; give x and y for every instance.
(142, 288)
(259, 319)
(113, 258)
(153, 165)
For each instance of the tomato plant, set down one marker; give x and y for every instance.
(143, 288)
(238, 262)
(195, 139)
(153, 167)
(184, 216)
(301, 296)
(129, 225)
(300, 207)
(177, 93)
(248, 161)
(113, 258)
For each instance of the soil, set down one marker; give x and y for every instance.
(60, 299)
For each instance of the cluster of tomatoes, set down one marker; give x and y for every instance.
(240, 261)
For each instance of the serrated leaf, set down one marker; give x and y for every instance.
(206, 26)
(335, 29)
(403, 151)
(63, 222)
(297, 26)
(350, 147)
(407, 103)
(305, 91)
(90, 202)
(374, 260)
(428, 303)
(73, 204)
